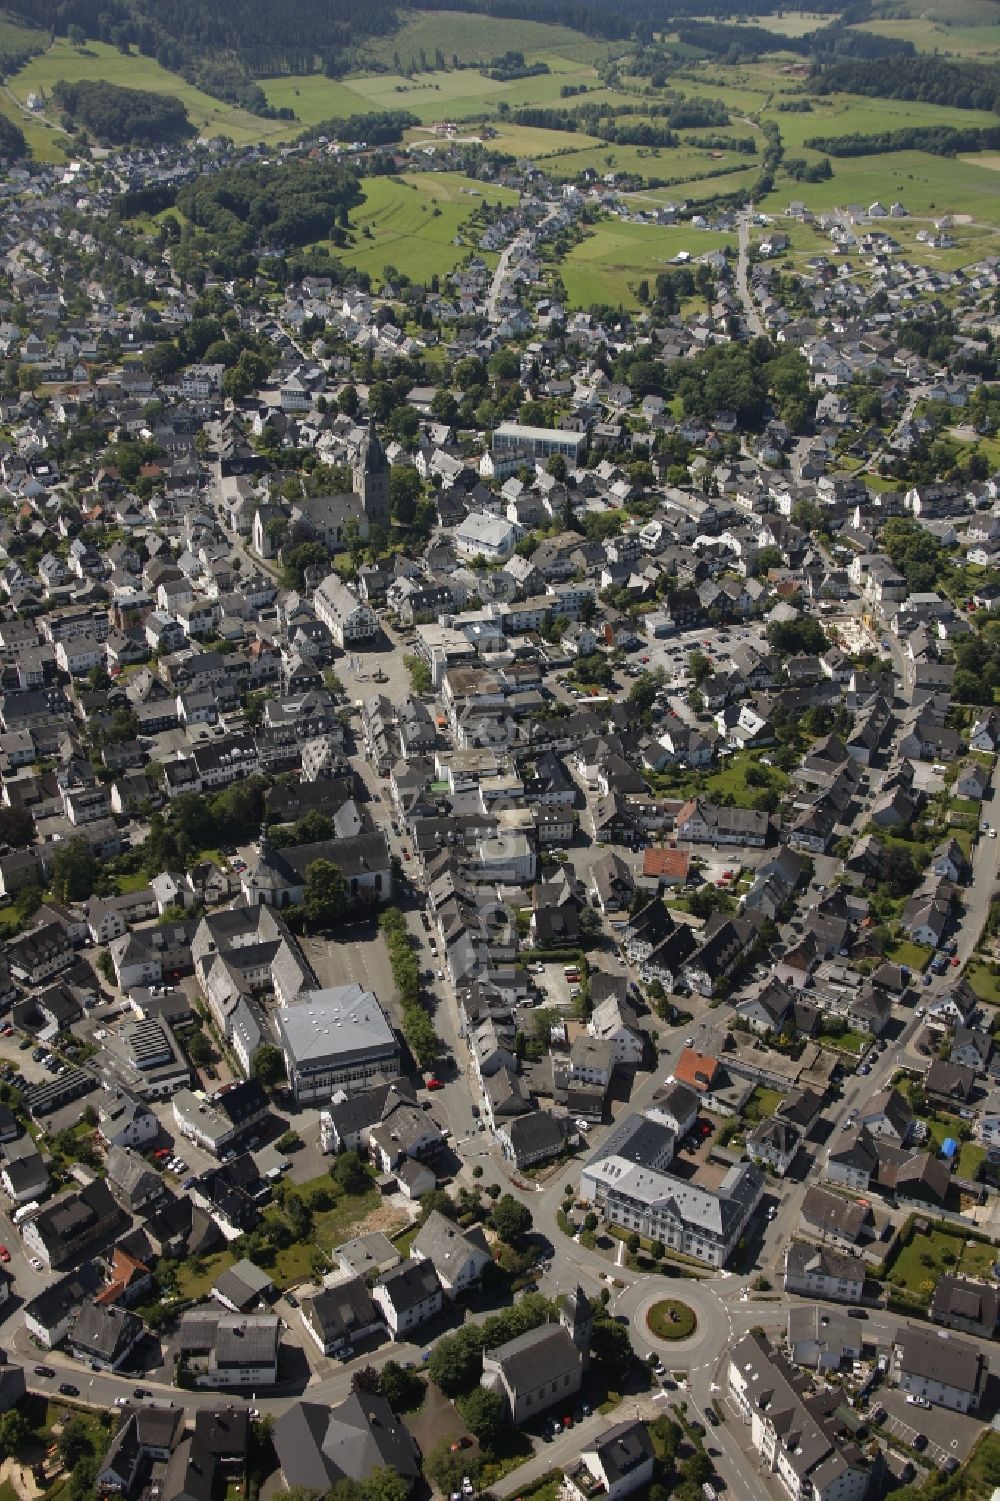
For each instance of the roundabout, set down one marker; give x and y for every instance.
(670, 1319)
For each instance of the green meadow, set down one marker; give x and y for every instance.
(97, 61)
(414, 223)
(609, 264)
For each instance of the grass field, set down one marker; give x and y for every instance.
(928, 1257)
(794, 22)
(931, 36)
(97, 61)
(17, 38)
(518, 140)
(609, 264)
(456, 32)
(414, 222)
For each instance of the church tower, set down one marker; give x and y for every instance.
(577, 1318)
(371, 479)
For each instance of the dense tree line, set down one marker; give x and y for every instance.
(222, 47)
(837, 40)
(937, 140)
(745, 379)
(618, 124)
(12, 143)
(123, 117)
(931, 80)
(288, 205)
(378, 128)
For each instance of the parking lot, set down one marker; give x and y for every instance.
(948, 1434)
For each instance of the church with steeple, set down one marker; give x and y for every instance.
(371, 479)
(335, 520)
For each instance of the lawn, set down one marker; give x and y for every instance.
(912, 955)
(731, 778)
(414, 223)
(671, 1319)
(456, 32)
(136, 882)
(762, 1104)
(931, 36)
(847, 1042)
(609, 264)
(985, 984)
(928, 1257)
(293, 1264)
(98, 61)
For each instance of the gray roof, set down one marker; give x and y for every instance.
(342, 1021)
(106, 1331)
(317, 1445)
(243, 1283)
(447, 1246)
(822, 1261)
(340, 1311)
(951, 1361)
(410, 1284)
(541, 1355)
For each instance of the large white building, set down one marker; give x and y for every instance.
(795, 1435)
(336, 1039)
(348, 620)
(628, 1179)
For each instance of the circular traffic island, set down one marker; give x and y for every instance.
(671, 1319)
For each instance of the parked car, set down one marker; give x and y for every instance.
(67, 1389)
(44, 1370)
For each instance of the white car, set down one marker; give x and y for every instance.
(36, 1262)
(121, 1401)
(913, 1401)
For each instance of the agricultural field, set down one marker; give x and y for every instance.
(414, 223)
(97, 61)
(795, 22)
(927, 186)
(513, 140)
(981, 42)
(609, 264)
(17, 38)
(456, 32)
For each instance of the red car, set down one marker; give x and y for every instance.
(162, 1152)
(4, 1254)
(434, 1084)
(955, 963)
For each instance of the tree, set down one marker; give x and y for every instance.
(510, 1219)
(326, 897)
(642, 694)
(367, 1379)
(199, 1049)
(556, 466)
(420, 674)
(611, 1346)
(699, 667)
(74, 871)
(405, 488)
(486, 1414)
(13, 1432)
(456, 1361)
(350, 1173)
(313, 828)
(402, 1389)
(74, 1443)
(106, 965)
(385, 1485)
(268, 1065)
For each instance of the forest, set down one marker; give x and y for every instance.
(12, 142)
(223, 48)
(836, 40)
(931, 80)
(123, 117)
(379, 128)
(284, 205)
(936, 140)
